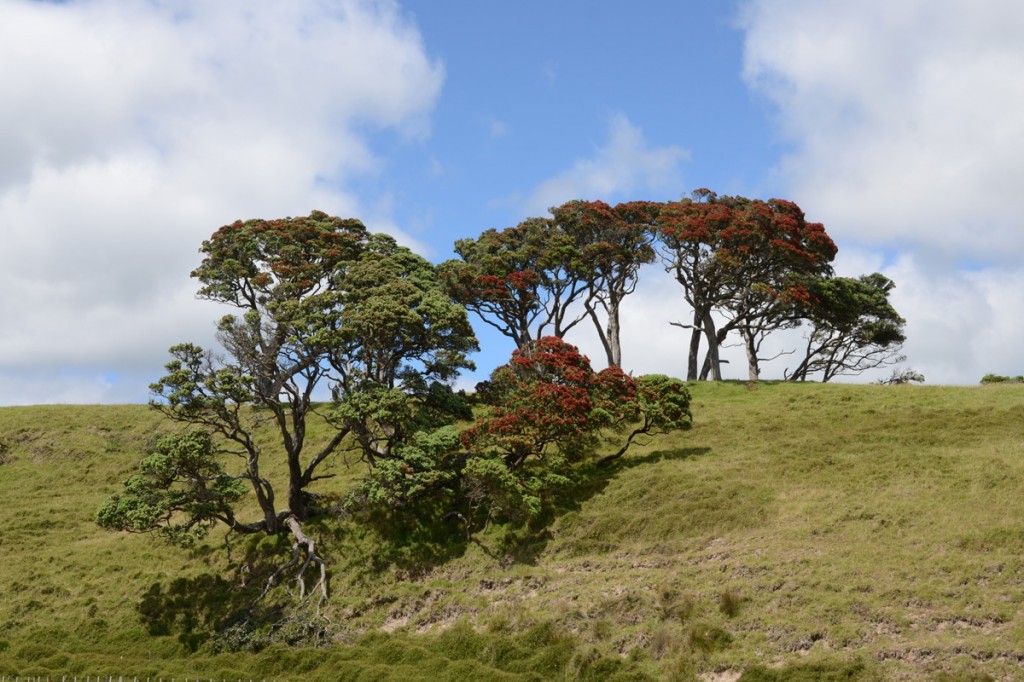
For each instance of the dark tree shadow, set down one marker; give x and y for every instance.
(526, 544)
(201, 608)
(414, 539)
(659, 456)
(194, 609)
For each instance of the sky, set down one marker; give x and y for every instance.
(130, 130)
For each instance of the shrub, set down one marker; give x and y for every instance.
(729, 603)
(902, 376)
(999, 379)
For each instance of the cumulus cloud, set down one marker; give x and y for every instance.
(131, 130)
(626, 163)
(906, 138)
(961, 325)
(904, 117)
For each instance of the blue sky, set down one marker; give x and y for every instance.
(533, 87)
(130, 132)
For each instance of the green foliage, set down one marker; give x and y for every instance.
(181, 490)
(323, 303)
(427, 466)
(494, 491)
(663, 403)
(549, 413)
(855, 327)
(999, 379)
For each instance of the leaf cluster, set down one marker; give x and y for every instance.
(181, 491)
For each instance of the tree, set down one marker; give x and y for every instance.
(854, 328)
(519, 280)
(322, 302)
(771, 253)
(551, 411)
(738, 258)
(611, 243)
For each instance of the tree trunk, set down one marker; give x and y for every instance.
(614, 347)
(709, 332)
(695, 333)
(609, 341)
(753, 369)
(296, 500)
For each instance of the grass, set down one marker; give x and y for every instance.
(797, 532)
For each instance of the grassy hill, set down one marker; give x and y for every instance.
(829, 531)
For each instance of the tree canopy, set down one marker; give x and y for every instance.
(611, 244)
(520, 280)
(335, 323)
(323, 304)
(854, 327)
(549, 415)
(744, 259)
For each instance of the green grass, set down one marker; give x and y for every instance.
(797, 532)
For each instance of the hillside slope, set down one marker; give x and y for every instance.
(877, 532)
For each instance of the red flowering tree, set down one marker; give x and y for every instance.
(611, 244)
(550, 411)
(743, 260)
(519, 280)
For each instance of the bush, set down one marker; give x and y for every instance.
(5, 451)
(999, 379)
(902, 376)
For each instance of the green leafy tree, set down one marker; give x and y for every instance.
(1001, 379)
(854, 328)
(611, 245)
(322, 303)
(395, 341)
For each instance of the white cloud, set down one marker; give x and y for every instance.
(961, 325)
(904, 119)
(625, 164)
(131, 130)
(904, 116)
(649, 344)
(38, 387)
